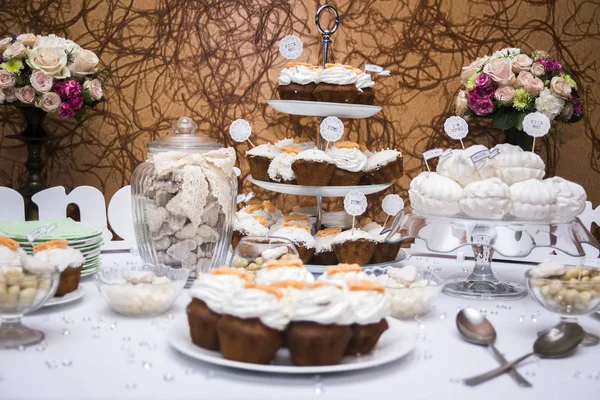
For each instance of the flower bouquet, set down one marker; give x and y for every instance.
(509, 84)
(50, 73)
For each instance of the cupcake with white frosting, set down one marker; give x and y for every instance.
(343, 273)
(385, 166)
(350, 163)
(354, 246)
(370, 306)
(297, 81)
(313, 167)
(280, 168)
(488, 199)
(210, 293)
(324, 254)
(514, 165)
(366, 93)
(284, 270)
(384, 251)
(336, 83)
(251, 328)
(301, 237)
(532, 200)
(11, 253)
(264, 209)
(299, 142)
(259, 158)
(431, 193)
(253, 226)
(319, 330)
(367, 224)
(570, 198)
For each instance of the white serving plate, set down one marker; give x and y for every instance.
(395, 343)
(325, 191)
(67, 298)
(323, 109)
(320, 269)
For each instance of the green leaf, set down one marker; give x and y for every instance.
(520, 118)
(505, 120)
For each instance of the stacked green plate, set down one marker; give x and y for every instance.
(80, 236)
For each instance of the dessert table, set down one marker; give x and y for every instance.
(93, 353)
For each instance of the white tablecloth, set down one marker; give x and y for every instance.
(92, 353)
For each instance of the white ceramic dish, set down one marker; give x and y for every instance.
(394, 344)
(67, 298)
(325, 191)
(323, 109)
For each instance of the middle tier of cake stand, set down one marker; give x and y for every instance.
(514, 238)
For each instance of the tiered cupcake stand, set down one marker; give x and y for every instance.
(514, 239)
(321, 109)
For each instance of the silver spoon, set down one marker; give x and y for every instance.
(476, 328)
(554, 343)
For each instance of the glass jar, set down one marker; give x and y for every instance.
(183, 200)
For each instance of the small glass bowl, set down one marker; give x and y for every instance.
(576, 293)
(22, 293)
(252, 252)
(409, 302)
(141, 299)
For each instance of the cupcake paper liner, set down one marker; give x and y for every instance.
(68, 281)
(247, 340)
(324, 258)
(385, 252)
(310, 343)
(359, 251)
(367, 97)
(341, 177)
(312, 173)
(259, 167)
(365, 337)
(203, 325)
(389, 172)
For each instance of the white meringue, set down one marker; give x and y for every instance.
(488, 199)
(459, 166)
(513, 166)
(532, 200)
(431, 193)
(505, 148)
(570, 197)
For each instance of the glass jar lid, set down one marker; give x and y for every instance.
(184, 139)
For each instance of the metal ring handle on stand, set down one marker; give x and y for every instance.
(333, 11)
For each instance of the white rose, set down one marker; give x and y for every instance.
(549, 104)
(26, 94)
(560, 87)
(521, 62)
(9, 94)
(67, 45)
(509, 52)
(94, 86)
(2, 97)
(48, 101)
(537, 69)
(41, 82)
(84, 63)
(50, 60)
(28, 39)
(7, 79)
(4, 43)
(472, 69)
(15, 50)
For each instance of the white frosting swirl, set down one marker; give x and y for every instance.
(271, 217)
(368, 306)
(337, 75)
(216, 290)
(532, 199)
(315, 155)
(489, 198)
(324, 305)
(364, 81)
(267, 275)
(250, 226)
(54, 258)
(382, 158)
(264, 150)
(431, 193)
(352, 235)
(515, 166)
(570, 197)
(323, 243)
(256, 303)
(296, 235)
(348, 159)
(280, 169)
(300, 74)
(290, 142)
(344, 276)
(379, 238)
(11, 258)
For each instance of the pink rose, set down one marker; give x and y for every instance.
(85, 63)
(26, 94)
(95, 88)
(7, 80)
(15, 50)
(48, 101)
(500, 70)
(534, 86)
(523, 79)
(560, 87)
(522, 62)
(472, 69)
(460, 104)
(9, 94)
(28, 39)
(5, 43)
(41, 82)
(537, 69)
(504, 95)
(567, 112)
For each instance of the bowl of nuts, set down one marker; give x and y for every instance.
(569, 291)
(253, 252)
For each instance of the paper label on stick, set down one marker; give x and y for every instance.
(494, 153)
(240, 130)
(446, 153)
(385, 72)
(355, 203)
(291, 47)
(41, 231)
(433, 153)
(373, 68)
(392, 204)
(244, 197)
(332, 129)
(536, 124)
(456, 127)
(480, 156)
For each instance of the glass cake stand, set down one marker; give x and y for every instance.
(509, 238)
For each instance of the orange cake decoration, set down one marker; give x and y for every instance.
(365, 285)
(336, 269)
(51, 244)
(329, 231)
(265, 288)
(8, 242)
(290, 149)
(296, 262)
(261, 220)
(230, 271)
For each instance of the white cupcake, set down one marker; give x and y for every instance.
(301, 237)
